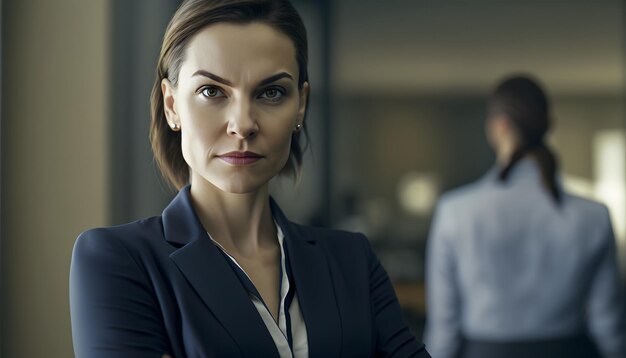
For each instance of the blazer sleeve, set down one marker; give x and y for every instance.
(393, 338)
(606, 307)
(443, 333)
(113, 309)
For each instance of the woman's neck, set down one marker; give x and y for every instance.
(241, 223)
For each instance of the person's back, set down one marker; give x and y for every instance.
(509, 263)
(526, 267)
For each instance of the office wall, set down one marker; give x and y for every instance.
(54, 162)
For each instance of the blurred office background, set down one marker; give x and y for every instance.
(397, 112)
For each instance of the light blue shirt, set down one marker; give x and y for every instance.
(506, 263)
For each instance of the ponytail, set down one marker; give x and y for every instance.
(547, 163)
(523, 101)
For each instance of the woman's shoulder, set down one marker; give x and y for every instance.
(591, 216)
(464, 194)
(588, 207)
(134, 229)
(130, 237)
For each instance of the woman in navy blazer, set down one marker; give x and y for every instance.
(222, 272)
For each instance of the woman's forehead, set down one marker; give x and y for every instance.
(240, 52)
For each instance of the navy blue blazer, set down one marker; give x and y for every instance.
(160, 285)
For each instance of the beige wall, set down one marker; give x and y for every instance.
(54, 169)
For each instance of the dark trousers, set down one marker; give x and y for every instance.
(569, 347)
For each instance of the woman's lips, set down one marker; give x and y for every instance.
(240, 158)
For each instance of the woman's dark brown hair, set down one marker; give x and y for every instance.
(524, 102)
(191, 17)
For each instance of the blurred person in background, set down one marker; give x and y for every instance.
(516, 267)
(223, 272)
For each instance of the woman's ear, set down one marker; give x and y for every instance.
(304, 97)
(169, 103)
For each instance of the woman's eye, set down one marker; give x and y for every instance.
(272, 94)
(212, 92)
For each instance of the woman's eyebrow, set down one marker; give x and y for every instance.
(275, 77)
(263, 82)
(212, 76)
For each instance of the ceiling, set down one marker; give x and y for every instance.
(456, 46)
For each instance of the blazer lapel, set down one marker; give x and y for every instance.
(314, 288)
(207, 271)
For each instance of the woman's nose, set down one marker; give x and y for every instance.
(241, 123)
